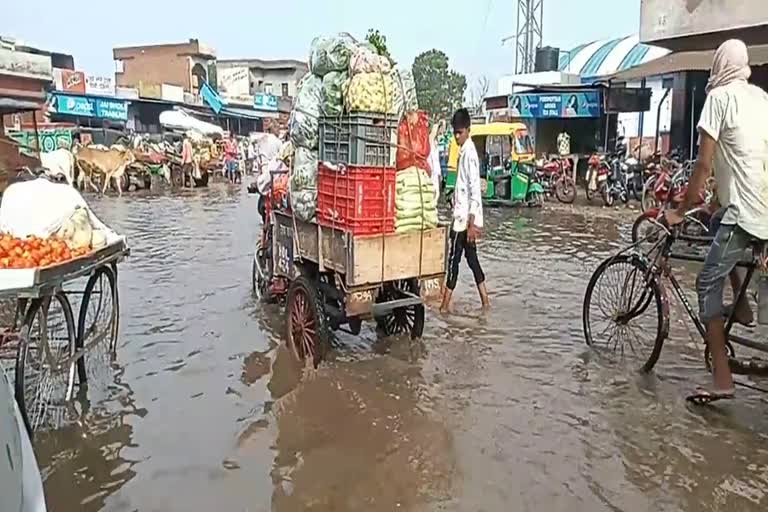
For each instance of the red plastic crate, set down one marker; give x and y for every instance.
(357, 199)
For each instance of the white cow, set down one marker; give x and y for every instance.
(59, 163)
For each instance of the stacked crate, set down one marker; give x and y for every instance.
(356, 174)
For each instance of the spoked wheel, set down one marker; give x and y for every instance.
(565, 190)
(97, 325)
(607, 194)
(309, 337)
(647, 230)
(261, 274)
(624, 312)
(45, 370)
(649, 200)
(409, 319)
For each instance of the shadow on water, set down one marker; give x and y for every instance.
(507, 410)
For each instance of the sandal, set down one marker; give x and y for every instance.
(729, 310)
(704, 397)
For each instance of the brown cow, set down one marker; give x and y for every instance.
(110, 164)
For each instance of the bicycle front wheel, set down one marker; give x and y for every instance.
(624, 311)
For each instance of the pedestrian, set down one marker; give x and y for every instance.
(438, 130)
(230, 157)
(732, 138)
(187, 162)
(467, 213)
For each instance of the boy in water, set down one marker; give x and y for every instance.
(467, 212)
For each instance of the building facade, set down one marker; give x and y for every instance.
(186, 65)
(256, 76)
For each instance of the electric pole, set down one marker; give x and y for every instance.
(530, 22)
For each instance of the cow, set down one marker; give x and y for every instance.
(110, 164)
(59, 163)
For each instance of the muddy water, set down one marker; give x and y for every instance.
(504, 411)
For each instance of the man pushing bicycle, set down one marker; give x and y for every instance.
(733, 138)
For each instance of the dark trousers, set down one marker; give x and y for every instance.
(459, 245)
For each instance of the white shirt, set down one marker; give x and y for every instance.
(735, 116)
(434, 163)
(467, 198)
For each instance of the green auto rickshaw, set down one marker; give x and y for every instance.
(507, 166)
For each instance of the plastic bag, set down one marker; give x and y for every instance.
(303, 123)
(413, 142)
(334, 84)
(330, 53)
(404, 97)
(304, 204)
(365, 60)
(370, 92)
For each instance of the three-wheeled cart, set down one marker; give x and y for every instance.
(49, 347)
(331, 279)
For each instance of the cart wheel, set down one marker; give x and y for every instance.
(45, 371)
(309, 337)
(401, 320)
(97, 324)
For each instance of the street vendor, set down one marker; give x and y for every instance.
(467, 213)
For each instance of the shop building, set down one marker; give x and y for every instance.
(256, 76)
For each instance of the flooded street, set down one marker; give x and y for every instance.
(496, 412)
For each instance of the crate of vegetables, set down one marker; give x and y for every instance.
(362, 139)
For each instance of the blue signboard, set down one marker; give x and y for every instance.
(84, 106)
(265, 102)
(211, 97)
(74, 105)
(112, 109)
(556, 105)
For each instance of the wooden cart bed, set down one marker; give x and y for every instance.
(363, 260)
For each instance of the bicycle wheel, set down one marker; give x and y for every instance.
(648, 199)
(45, 371)
(624, 310)
(97, 325)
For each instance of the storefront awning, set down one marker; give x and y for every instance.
(247, 114)
(12, 105)
(678, 62)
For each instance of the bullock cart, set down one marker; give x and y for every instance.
(60, 328)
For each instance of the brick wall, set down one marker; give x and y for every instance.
(158, 65)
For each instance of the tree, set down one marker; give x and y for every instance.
(477, 95)
(440, 90)
(378, 41)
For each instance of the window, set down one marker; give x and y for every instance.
(268, 88)
(119, 66)
(285, 89)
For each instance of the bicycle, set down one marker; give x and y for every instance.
(640, 293)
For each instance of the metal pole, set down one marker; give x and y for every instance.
(658, 119)
(607, 125)
(693, 124)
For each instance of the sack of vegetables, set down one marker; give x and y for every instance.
(371, 92)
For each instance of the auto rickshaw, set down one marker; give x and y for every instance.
(507, 168)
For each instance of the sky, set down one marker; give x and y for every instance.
(469, 32)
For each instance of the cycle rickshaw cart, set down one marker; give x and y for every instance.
(332, 280)
(49, 344)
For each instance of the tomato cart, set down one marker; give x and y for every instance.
(332, 280)
(46, 344)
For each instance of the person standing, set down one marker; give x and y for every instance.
(187, 162)
(438, 130)
(732, 138)
(467, 213)
(230, 157)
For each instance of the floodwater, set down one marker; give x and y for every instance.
(508, 411)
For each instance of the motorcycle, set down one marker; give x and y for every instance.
(555, 177)
(611, 184)
(595, 163)
(633, 175)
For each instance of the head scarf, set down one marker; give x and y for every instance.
(731, 63)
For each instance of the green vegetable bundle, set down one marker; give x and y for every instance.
(414, 201)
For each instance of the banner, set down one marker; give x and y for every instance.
(100, 85)
(556, 105)
(211, 97)
(265, 102)
(116, 110)
(69, 81)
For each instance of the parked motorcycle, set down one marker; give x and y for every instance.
(556, 177)
(612, 184)
(633, 176)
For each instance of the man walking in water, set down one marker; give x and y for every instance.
(467, 213)
(734, 138)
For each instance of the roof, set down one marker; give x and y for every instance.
(261, 63)
(685, 61)
(606, 57)
(497, 128)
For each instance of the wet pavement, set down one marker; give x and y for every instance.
(496, 412)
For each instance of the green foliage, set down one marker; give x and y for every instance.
(378, 41)
(440, 90)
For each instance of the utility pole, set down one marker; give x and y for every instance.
(530, 23)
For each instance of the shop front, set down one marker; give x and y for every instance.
(88, 111)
